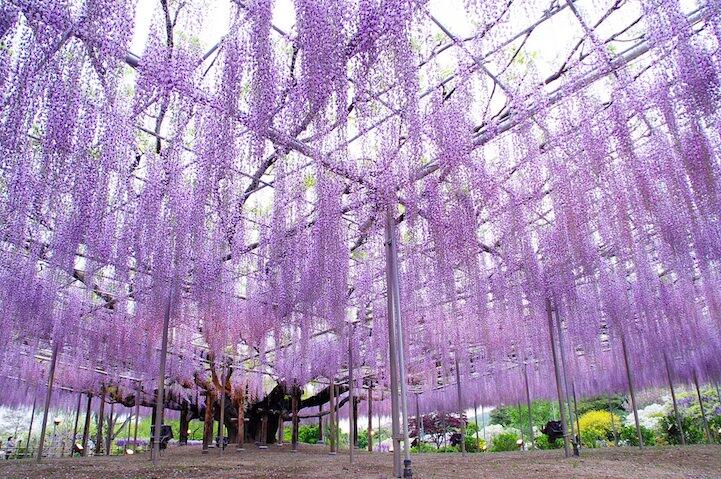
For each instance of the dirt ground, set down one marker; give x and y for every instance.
(314, 462)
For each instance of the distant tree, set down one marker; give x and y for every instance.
(440, 426)
(515, 417)
(601, 403)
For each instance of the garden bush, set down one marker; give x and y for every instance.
(597, 426)
(505, 442)
(668, 430)
(542, 442)
(423, 447)
(629, 436)
(473, 444)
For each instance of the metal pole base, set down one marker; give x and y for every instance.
(204, 451)
(333, 453)
(407, 472)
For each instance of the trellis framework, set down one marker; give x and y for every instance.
(511, 177)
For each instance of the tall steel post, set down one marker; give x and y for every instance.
(75, 426)
(557, 370)
(160, 400)
(575, 435)
(392, 354)
(332, 417)
(48, 397)
(475, 419)
(30, 429)
(528, 404)
(370, 416)
(351, 398)
(221, 426)
(483, 423)
(679, 424)
(613, 422)
(703, 410)
(419, 421)
(86, 426)
(459, 398)
(320, 424)
(575, 411)
(407, 469)
(137, 415)
(631, 390)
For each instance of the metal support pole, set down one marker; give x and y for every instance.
(356, 402)
(86, 426)
(30, 429)
(483, 422)
(419, 422)
(459, 397)
(575, 435)
(629, 378)
(703, 410)
(101, 420)
(111, 426)
(528, 404)
(240, 445)
(613, 422)
(393, 356)
(351, 397)
(520, 416)
(75, 426)
(221, 425)
(295, 420)
(320, 424)
(48, 397)
(403, 383)
(475, 419)
(130, 423)
(331, 418)
(557, 370)
(160, 401)
(137, 415)
(679, 424)
(370, 417)
(575, 411)
(337, 419)
(264, 431)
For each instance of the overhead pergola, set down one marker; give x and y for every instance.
(448, 202)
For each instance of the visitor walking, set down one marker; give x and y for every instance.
(9, 447)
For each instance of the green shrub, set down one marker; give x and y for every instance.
(715, 424)
(308, 433)
(473, 445)
(423, 447)
(542, 442)
(668, 430)
(506, 441)
(628, 434)
(597, 426)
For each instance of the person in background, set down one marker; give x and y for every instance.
(9, 447)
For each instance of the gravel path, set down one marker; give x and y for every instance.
(313, 462)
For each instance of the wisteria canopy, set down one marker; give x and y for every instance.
(245, 186)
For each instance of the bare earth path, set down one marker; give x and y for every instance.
(313, 462)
